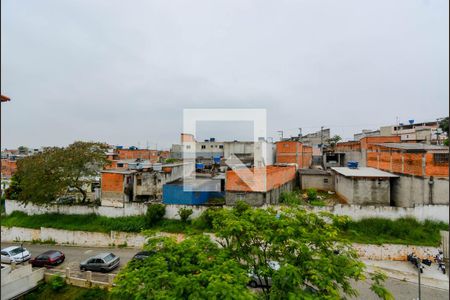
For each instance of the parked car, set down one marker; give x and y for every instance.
(256, 282)
(48, 259)
(143, 254)
(15, 254)
(103, 262)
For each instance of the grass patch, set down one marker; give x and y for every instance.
(406, 231)
(93, 223)
(46, 292)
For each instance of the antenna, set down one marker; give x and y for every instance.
(281, 134)
(300, 132)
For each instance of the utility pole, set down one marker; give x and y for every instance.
(321, 139)
(419, 263)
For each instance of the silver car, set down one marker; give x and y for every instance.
(103, 262)
(256, 282)
(15, 254)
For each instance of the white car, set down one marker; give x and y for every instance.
(15, 254)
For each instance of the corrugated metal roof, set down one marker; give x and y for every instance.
(362, 172)
(412, 146)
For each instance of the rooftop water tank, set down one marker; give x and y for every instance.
(199, 166)
(411, 122)
(352, 165)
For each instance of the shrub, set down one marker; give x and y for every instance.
(93, 294)
(289, 198)
(312, 194)
(155, 212)
(57, 283)
(206, 219)
(241, 207)
(184, 214)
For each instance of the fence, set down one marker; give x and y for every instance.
(82, 279)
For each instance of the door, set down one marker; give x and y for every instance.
(5, 257)
(42, 261)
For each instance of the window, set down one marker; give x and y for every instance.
(212, 146)
(139, 181)
(440, 158)
(120, 165)
(325, 180)
(220, 146)
(188, 147)
(203, 147)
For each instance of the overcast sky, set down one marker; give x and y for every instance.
(123, 71)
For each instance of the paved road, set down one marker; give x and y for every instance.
(74, 255)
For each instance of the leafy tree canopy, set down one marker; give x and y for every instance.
(443, 124)
(196, 268)
(45, 176)
(315, 262)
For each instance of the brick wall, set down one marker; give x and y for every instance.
(393, 160)
(274, 177)
(294, 152)
(151, 155)
(9, 167)
(112, 182)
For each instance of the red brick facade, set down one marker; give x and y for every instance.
(294, 152)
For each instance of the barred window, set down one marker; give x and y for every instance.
(440, 158)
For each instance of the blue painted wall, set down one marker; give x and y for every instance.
(174, 194)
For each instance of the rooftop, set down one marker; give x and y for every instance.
(119, 171)
(362, 172)
(313, 172)
(412, 146)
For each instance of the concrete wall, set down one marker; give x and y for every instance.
(358, 212)
(323, 182)
(130, 209)
(408, 191)
(20, 280)
(392, 251)
(259, 198)
(60, 236)
(359, 156)
(363, 191)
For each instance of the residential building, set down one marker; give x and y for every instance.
(294, 152)
(424, 132)
(148, 183)
(366, 133)
(116, 187)
(363, 186)
(423, 171)
(315, 139)
(259, 186)
(140, 182)
(345, 152)
(316, 179)
(260, 153)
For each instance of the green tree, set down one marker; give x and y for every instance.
(52, 173)
(443, 124)
(81, 161)
(184, 214)
(22, 150)
(308, 247)
(13, 191)
(333, 141)
(196, 268)
(155, 213)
